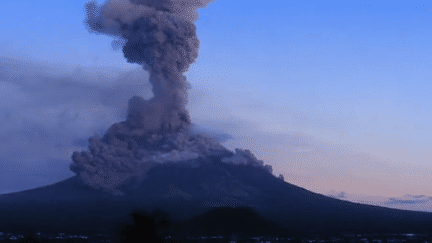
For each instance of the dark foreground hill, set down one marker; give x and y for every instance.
(186, 191)
(225, 222)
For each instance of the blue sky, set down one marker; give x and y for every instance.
(335, 95)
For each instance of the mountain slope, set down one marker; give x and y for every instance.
(190, 189)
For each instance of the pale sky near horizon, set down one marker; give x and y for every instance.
(335, 95)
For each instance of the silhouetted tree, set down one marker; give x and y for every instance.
(29, 237)
(146, 227)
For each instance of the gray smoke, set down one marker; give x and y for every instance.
(160, 36)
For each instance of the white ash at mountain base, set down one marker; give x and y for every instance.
(124, 153)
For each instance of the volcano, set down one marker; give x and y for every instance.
(188, 189)
(154, 161)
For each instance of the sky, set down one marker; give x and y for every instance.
(335, 95)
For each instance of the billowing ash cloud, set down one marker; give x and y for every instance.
(159, 35)
(244, 157)
(122, 155)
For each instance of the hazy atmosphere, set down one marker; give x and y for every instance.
(335, 96)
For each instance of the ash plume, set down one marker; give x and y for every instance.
(160, 36)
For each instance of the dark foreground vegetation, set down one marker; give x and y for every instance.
(224, 224)
(218, 239)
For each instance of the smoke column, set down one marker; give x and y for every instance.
(160, 36)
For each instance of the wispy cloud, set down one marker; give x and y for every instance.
(43, 112)
(48, 111)
(338, 195)
(410, 199)
(406, 202)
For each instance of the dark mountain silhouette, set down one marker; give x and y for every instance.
(144, 226)
(226, 222)
(185, 191)
(241, 222)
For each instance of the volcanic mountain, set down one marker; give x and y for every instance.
(186, 188)
(153, 160)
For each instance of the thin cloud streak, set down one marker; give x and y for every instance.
(406, 202)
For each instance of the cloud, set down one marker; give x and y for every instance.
(410, 199)
(48, 112)
(406, 202)
(338, 195)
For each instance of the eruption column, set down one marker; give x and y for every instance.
(161, 36)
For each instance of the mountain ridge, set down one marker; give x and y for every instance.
(205, 184)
